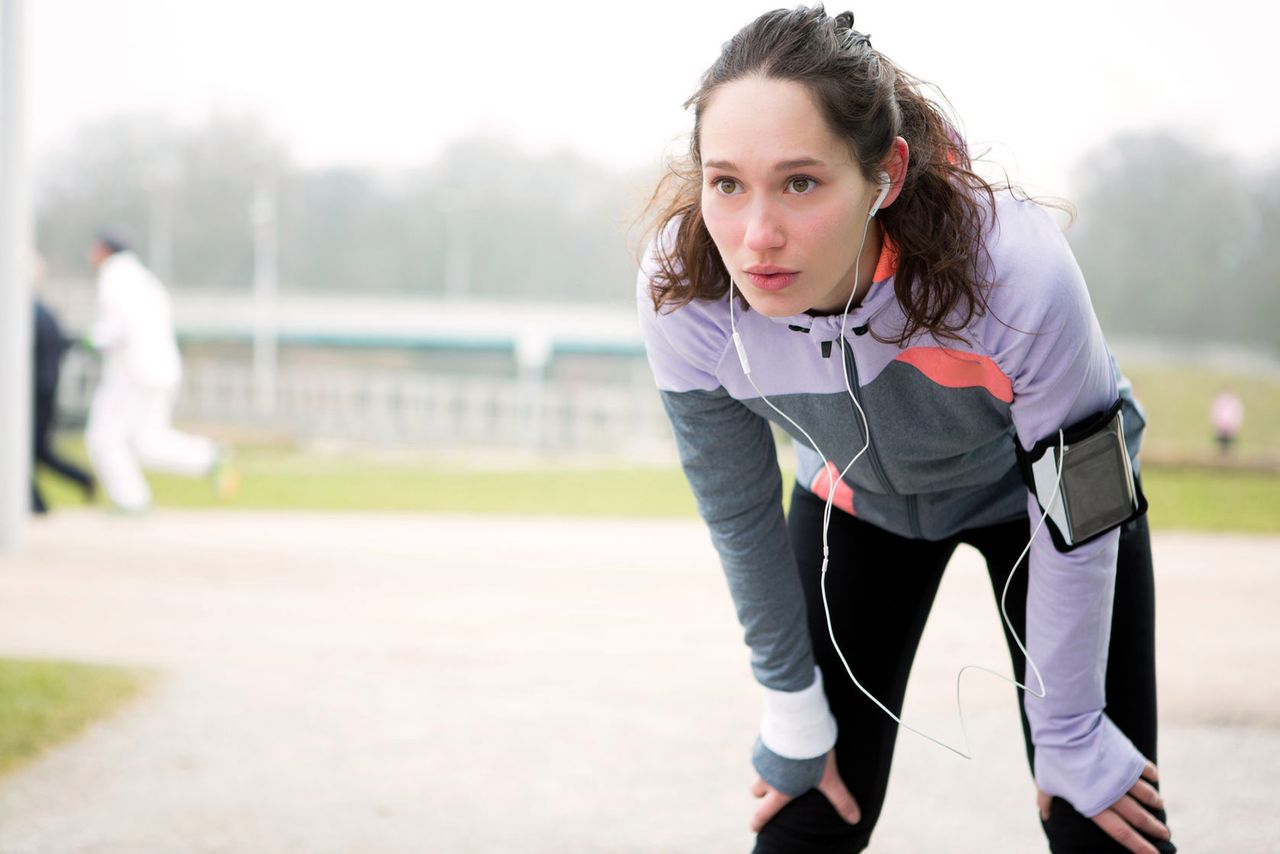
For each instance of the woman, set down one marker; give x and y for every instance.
(830, 263)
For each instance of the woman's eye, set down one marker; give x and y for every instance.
(801, 185)
(727, 186)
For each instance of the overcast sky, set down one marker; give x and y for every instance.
(386, 84)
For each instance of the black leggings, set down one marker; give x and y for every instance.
(881, 600)
(44, 410)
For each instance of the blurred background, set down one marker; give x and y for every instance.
(418, 228)
(400, 243)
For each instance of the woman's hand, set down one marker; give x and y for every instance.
(1123, 819)
(830, 785)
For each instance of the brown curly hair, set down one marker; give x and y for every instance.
(935, 225)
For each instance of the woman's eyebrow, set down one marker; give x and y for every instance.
(780, 166)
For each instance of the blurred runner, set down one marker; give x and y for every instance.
(130, 417)
(1227, 414)
(49, 348)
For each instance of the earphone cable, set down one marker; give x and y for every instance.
(833, 482)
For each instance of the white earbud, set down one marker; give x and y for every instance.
(886, 183)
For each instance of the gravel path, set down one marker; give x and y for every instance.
(407, 683)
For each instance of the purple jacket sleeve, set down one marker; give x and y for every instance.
(1047, 340)
(727, 453)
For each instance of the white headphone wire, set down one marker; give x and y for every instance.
(833, 483)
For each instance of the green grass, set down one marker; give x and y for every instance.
(1191, 499)
(45, 702)
(297, 480)
(1177, 404)
(1204, 500)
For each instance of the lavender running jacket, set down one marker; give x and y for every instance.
(943, 420)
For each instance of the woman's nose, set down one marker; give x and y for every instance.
(764, 230)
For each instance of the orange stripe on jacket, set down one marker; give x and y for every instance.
(821, 487)
(959, 369)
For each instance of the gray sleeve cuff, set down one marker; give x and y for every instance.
(792, 777)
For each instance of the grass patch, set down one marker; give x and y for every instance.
(274, 479)
(1176, 400)
(1212, 500)
(422, 487)
(45, 702)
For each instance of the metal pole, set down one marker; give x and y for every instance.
(16, 319)
(266, 278)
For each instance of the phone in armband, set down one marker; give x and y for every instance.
(1097, 491)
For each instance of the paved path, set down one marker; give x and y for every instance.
(407, 683)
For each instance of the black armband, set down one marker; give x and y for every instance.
(1097, 492)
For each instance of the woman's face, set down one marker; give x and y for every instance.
(782, 198)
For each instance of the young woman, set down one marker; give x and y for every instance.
(829, 262)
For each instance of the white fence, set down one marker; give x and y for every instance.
(407, 407)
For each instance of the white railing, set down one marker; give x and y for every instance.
(406, 406)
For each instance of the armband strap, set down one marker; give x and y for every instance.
(1097, 492)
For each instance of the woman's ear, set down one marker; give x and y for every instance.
(895, 165)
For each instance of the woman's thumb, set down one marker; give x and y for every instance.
(838, 794)
(844, 804)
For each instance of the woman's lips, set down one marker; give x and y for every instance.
(772, 281)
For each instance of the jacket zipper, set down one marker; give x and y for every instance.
(913, 513)
(872, 457)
